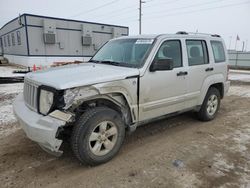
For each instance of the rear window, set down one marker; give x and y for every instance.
(197, 52)
(218, 51)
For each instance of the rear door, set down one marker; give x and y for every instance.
(199, 69)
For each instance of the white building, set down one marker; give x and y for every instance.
(41, 40)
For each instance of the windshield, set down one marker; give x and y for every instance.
(124, 52)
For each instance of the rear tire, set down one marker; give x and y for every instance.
(97, 136)
(210, 105)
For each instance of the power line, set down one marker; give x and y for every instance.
(111, 14)
(94, 9)
(160, 4)
(186, 7)
(199, 10)
(129, 19)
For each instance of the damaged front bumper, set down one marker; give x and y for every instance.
(39, 128)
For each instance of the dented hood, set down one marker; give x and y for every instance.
(80, 75)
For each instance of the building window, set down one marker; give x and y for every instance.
(4, 41)
(197, 52)
(18, 36)
(13, 39)
(218, 51)
(8, 39)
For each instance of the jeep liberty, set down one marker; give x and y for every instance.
(130, 81)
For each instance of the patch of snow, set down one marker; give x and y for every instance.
(6, 114)
(7, 95)
(242, 91)
(8, 129)
(8, 71)
(239, 77)
(239, 71)
(221, 164)
(242, 139)
(245, 182)
(11, 88)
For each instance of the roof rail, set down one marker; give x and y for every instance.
(215, 35)
(182, 33)
(196, 33)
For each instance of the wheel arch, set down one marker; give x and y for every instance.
(216, 81)
(115, 101)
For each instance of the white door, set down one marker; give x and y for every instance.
(163, 92)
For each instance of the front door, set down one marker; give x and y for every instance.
(163, 92)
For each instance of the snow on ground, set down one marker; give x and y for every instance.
(11, 88)
(6, 114)
(7, 71)
(242, 91)
(239, 75)
(7, 94)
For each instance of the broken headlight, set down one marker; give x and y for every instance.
(69, 96)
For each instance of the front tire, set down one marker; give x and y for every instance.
(210, 105)
(97, 136)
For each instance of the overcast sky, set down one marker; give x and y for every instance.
(228, 18)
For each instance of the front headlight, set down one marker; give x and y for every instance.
(69, 96)
(46, 100)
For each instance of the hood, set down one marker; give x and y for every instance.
(80, 75)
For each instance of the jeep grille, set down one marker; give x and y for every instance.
(30, 92)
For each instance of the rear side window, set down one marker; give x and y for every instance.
(171, 49)
(197, 52)
(218, 51)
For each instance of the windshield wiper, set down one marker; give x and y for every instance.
(110, 62)
(113, 63)
(105, 62)
(94, 61)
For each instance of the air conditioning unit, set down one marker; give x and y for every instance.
(86, 40)
(49, 33)
(86, 35)
(49, 38)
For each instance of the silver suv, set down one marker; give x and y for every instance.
(129, 82)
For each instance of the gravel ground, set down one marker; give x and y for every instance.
(177, 152)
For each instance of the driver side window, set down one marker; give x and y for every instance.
(171, 49)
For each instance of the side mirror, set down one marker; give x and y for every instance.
(161, 65)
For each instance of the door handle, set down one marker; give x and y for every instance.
(209, 69)
(182, 73)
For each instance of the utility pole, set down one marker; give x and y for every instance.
(230, 40)
(246, 45)
(140, 14)
(243, 44)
